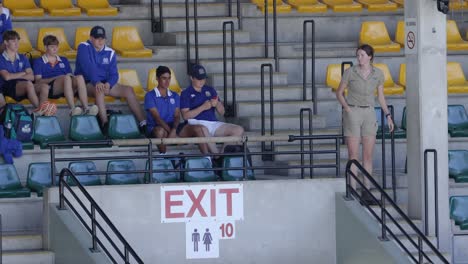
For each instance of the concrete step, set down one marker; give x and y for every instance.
(21, 214)
(280, 122)
(403, 224)
(433, 257)
(209, 37)
(21, 241)
(174, 9)
(413, 249)
(282, 93)
(29, 257)
(252, 109)
(204, 24)
(248, 79)
(242, 65)
(329, 170)
(316, 147)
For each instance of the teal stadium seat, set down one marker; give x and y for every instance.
(85, 128)
(235, 175)
(163, 177)
(124, 177)
(458, 165)
(199, 176)
(399, 133)
(84, 166)
(39, 177)
(47, 129)
(123, 127)
(10, 185)
(457, 121)
(459, 211)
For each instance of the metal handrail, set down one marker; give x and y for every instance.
(262, 105)
(128, 250)
(436, 195)
(155, 26)
(304, 64)
(385, 198)
(230, 110)
(301, 131)
(239, 14)
(266, 26)
(275, 33)
(392, 150)
(350, 63)
(187, 33)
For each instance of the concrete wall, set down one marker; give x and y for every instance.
(289, 221)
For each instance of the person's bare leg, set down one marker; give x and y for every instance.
(229, 130)
(27, 88)
(63, 84)
(42, 90)
(353, 154)
(127, 92)
(99, 97)
(368, 144)
(78, 84)
(195, 131)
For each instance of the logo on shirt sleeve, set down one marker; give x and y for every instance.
(61, 65)
(105, 61)
(172, 101)
(192, 96)
(208, 94)
(20, 65)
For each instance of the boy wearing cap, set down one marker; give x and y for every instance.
(199, 104)
(97, 63)
(16, 74)
(55, 71)
(163, 112)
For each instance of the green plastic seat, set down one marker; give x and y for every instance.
(39, 177)
(123, 127)
(458, 165)
(10, 185)
(199, 176)
(163, 177)
(47, 129)
(84, 166)
(457, 121)
(235, 175)
(398, 132)
(121, 178)
(85, 128)
(459, 210)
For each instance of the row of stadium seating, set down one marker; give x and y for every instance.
(456, 80)
(459, 211)
(28, 8)
(322, 6)
(126, 41)
(40, 175)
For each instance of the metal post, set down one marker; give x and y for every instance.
(150, 162)
(266, 27)
(392, 146)
(301, 133)
(420, 250)
(52, 164)
(244, 158)
(262, 95)
(230, 8)
(275, 37)
(1, 240)
(187, 35)
(61, 193)
(338, 157)
(382, 127)
(195, 18)
(230, 110)
(304, 64)
(93, 229)
(161, 17)
(383, 215)
(436, 195)
(239, 15)
(127, 257)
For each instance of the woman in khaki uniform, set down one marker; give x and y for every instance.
(359, 121)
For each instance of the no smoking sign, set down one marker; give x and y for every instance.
(410, 40)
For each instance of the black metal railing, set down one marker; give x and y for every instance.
(304, 64)
(187, 33)
(275, 33)
(239, 14)
(392, 151)
(301, 131)
(230, 109)
(262, 105)
(382, 205)
(436, 195)
(157, 25)
(95, 225)
(343, 64)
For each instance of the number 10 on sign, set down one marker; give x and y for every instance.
(227, 230)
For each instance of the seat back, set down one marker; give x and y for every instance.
(39, 176)
(9, 179)
(236, 175)
(126, 38)
(388, 80)
(374, 33)
(340, 2)
(453, 34)
(458, 162)
(92, 4)
(24, 42)
(334, 75)
(84, 166)
(23, 4)
(163, 177)
(56, 4)
(456, 116)
(402, 76)
(199, 176)
(403, 119)
(125, 177)
(47, 129)
(85, 127)
(81, 35)
(152, 82)
(123, 127)
(57, 32)
(455, 75)
(130, 77)
(459, 209)
(400, 33)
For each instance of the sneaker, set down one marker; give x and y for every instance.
(76, 111)
(92, 110)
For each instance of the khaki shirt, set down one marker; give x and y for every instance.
(361, 92)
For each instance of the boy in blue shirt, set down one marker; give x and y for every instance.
(97, 63)
(55, 71)
(163, 114)
(199, 104)
(17, 76)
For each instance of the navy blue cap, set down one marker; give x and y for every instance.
(198, 72)
(98, 32)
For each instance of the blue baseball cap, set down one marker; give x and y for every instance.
(198, 72)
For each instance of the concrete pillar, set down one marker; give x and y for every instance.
(426, 102)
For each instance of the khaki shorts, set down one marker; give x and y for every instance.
(360, 122)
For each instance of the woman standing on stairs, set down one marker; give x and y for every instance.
(359, 120)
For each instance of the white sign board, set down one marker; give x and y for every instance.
(411, 36)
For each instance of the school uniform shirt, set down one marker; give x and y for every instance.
(20, 64)
(96, 66)
(5, 22)
(166, 106)
(43, 67)
(192, 99)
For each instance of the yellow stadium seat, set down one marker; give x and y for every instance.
(23, 8)
(127, 42)
(153, 83)
(25, 45)
(60, 8)
(402, 77)
(97, 7)
(334, 75)
(308, 6)
(375, 33)
(456, 81)
(281, 8)
(81, 35)
(390, 87)
(130, 78)
(400, 3)
(458, 5)
(10, 100)
(379, 5)
(343, 5)
(454, 39)
(64, 48)
(400, 33)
